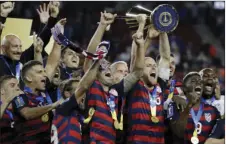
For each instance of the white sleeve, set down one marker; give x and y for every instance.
(164, 73)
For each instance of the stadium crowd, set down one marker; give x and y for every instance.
(77, 95)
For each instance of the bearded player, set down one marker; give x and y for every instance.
(103, 100)
(196, 122)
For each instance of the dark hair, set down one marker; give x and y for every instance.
(187, 76)
(27, 66)
(5, 78)
(158, 57)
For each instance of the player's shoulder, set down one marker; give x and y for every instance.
(208, 107)
(178, 84)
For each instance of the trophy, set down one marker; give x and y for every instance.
(164, 17)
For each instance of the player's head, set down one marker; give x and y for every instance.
(119, 70)
(105, 75)
(11, 46)
(192, 83)
(70, 58)
(150, 71)
(172, 64)
(56, 78)
(34, 75)
(209, 82)
(9, 84)
(68, 87)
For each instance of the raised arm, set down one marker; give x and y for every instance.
(38, 46)
(105, 20)
(86, 81)
(141, 19)
(54, 57)
(137, 72)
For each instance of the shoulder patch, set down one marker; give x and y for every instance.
(19, 102)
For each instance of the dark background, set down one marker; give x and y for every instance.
(191, 53)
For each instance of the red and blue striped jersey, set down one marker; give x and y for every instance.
(34, 130)
(141, 130)
(7, 131)
(208, 120)
(66, 121)
(101, 128)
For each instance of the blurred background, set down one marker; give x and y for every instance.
(197, 42)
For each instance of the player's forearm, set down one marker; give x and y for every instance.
(214, 141)
(134, 48)
(86, 81)
(164, 50)
(38, 57)
(53, 60)
(95, 40)
(32, 113)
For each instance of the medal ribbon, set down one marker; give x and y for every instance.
(196, 118)
(17, 68)
(208, 101)
(172, 86)
(40, 99)
(112, 106)
(152, 101)
(58, 94)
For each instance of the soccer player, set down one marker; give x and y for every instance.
(9, 89)
(67, 116)
(217, 135)
(105, 113)
(145, 100)
(196, 122)
(33, 108)
(211, 87)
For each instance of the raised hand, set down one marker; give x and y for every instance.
(54, 7)
(138, 38)
(141, 18)
(43, 12)
(6, 8)
(152, 32)
(107, 18)
(38, 43)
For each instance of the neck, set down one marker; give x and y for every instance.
(197, 104)
(106, 88)
(33, 90)
(149, 86)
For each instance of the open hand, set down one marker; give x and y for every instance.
(43, 12)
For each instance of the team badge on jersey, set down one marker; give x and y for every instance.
(113, 92)
(208, 117)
